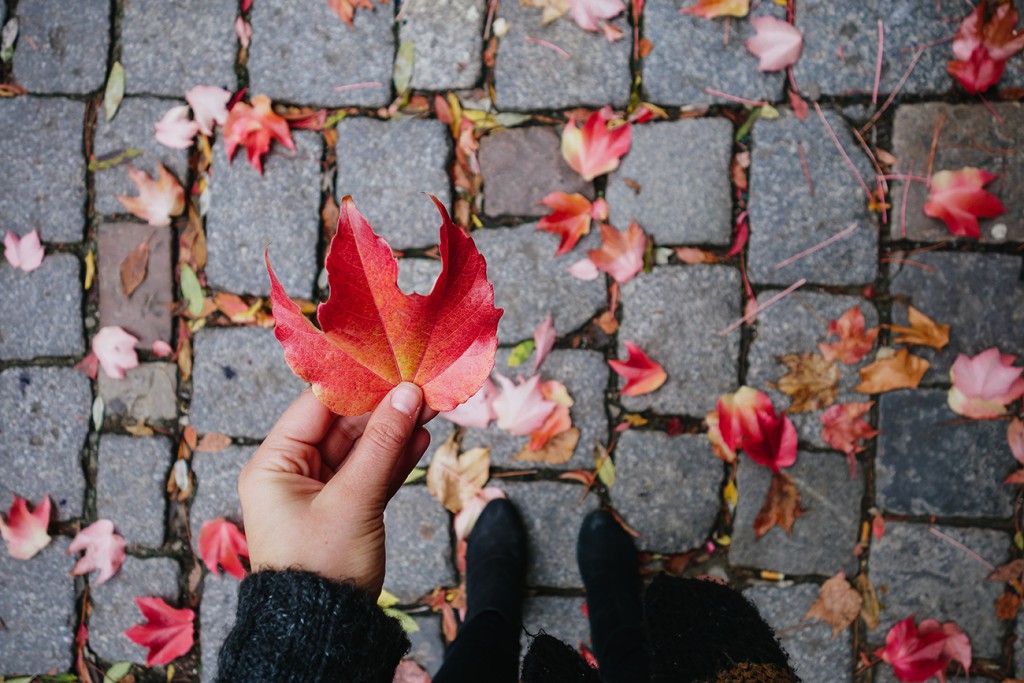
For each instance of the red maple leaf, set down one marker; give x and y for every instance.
(748, 420)
(642, 374)
(595, 149)
(854, 343)
(958, 198)
(569, 218)
(986, 39)
(622, 253)
(221, 543)
(167, 633)
(375, 336)
(24, 531)
(843, 427)
(253, 127)
(917, 654)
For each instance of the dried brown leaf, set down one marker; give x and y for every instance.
(1007, 606)
(454, 479)
(1011, 571)
(902, 370)
(781, 506)
(870, 608)
(557, 450)
(812, 382)
(212, 443)
(838, 604)
(922, 331)
(133, 268)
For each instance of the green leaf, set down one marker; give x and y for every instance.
(416, 474)
(409, 624)
(1018, 540)
(403, 67)
(511, 119)
(117, 672)
(192, 290)
(335, 118)
(768, 112)
(606, 472)
(7, 37)
(106, 161)
(387, 599)
(115, 90)
(20, 679)
(520, 353)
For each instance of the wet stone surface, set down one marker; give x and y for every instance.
(130, 483)
(146, 313)
(62, 47)
(418, 544)
(681, 167)
(40, 311)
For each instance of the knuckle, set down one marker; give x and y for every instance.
(386, 435)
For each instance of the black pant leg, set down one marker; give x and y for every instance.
(486, 649)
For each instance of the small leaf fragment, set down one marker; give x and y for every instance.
(870, 609)
(117, 672)
(404, 61)
(7, 38)
(133, 268)
(114, 92)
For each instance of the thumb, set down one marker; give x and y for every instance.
(367, 470)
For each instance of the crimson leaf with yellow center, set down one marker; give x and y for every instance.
(373, 336)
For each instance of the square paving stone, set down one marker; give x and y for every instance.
(241, 384)
(130, 483)
(43, 167)
(148, 392)
(133, 128)
(41, 311)
(691, 53)
(114, 610)
(585, 375)
(169, 46)
(302, 54)
(521, 166)
(557, 616)
(38, 610)
(970, 136)
(667, 488)
(418, 544)
(917, 572)
(146, 313)
(45, 421)
(786, 218)
(529, 75)
(928, 457)
(217, 486)
(448, 35)
(841, 46)
(674, 314)
(682, 169)
(216, 617)
(428, 643)
(815, 655)
(249, 213)
(825, 534)
(386, 166)
(797, 324)
(62, 47)
(553, 514)
(529, 281)
(418, 275)
(980, 296)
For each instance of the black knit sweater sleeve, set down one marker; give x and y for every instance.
(296, 626)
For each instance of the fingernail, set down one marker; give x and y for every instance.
(406, 398)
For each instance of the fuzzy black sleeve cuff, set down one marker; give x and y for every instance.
(296, 626)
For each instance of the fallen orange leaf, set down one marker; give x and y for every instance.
(922, 331)
(902, 370)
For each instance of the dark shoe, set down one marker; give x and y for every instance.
(496, 563)
(607, 560)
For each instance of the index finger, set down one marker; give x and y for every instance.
(305, 422)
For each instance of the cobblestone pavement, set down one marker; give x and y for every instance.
(925, 468)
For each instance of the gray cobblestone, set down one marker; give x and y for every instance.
(62, 47)
(46, 419)
(448, 40)
(37, 607)
(674, 315)
(956, 289)
(667, 489)
(927, 458)
(130, 483)
(114, 610)
(529, 75)
(553, 513)
(133, 128)
(970, 136)
(529, 281)
(417, 543)
(786, 217)
(303, 56)
(43, 168)
(797, 324)
(916, 572)
(585, 375)
(521, 166)
(240, 384)
(247, 215)
(217, 486)
(146, 313)
(427, 644)
(40, 312)
(560, 617)
(832, 503)
(167, 47)
(682, 168)
(216, 617)
(814, 654)
(387, 166)
(418, 274)
(691, 53)
(148, 392)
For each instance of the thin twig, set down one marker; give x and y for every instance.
(355, 86)
(839, 146)
(817, 247)
(753, 314)
(935, 146)
(550, 46)
(892, 95)
(878, 62)
(903, 206)
(991, 109)
(957, 544)
(807, 170)
(734, 98)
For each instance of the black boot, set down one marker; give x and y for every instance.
(496, 564)
(607, 560)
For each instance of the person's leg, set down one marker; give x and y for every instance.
(487, 646)
(607, 560)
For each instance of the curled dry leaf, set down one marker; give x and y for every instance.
(781, 506)
(838, 604)
(921, 331)
(158, 199)
(544, 337)
(555, 449)
(454, 479)
(855, 341)
(900, 370)
(133, 268)
(812, 382)
(212, 443)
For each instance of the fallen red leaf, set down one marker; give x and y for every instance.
(855, 341)
(748, 420)
(621, 254)
(642, 374)
(918, 653)
(221, 543)
(24, 531)
(375, 336)
(984, 384)
(167, 633)
(986, 39)
(595, 149)
(843, 427)
(569, 218)
(253, 127)
(958, 198)
(104, 550)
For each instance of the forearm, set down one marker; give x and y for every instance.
(298, 626)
